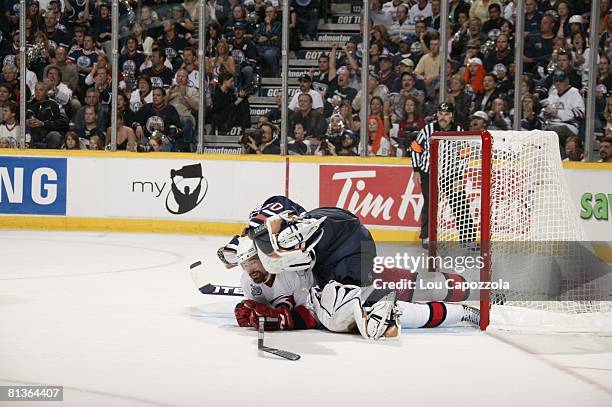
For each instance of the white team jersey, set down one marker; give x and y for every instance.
(290, 288)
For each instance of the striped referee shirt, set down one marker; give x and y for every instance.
(420, 146)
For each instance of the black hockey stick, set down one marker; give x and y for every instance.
(203, 285)
(278, 352)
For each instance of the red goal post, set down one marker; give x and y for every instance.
(484, 137)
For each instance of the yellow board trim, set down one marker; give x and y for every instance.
(404, 161)
(159, 226)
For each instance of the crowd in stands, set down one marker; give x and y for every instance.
(68, 83)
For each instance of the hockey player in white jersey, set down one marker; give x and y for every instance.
(283, 299)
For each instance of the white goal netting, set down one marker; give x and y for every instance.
(537, 244)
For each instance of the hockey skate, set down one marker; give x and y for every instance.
(471, 315)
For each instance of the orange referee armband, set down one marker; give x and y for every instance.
(416, 147)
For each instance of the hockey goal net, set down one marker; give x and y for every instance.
(501, 197)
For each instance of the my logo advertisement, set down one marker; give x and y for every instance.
(182, 192)
(30, 185)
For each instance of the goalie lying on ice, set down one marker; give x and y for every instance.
(284, 300)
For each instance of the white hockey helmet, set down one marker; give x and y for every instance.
(246, 250)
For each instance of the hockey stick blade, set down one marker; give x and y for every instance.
(203, 284)
(278, 352)
(282, 353)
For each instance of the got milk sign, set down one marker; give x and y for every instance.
(30, 185)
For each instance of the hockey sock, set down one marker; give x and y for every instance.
(430, 314)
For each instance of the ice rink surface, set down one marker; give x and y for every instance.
(117, 321)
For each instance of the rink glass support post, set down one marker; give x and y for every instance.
(115, 69)
(23, 73)
(485, 207)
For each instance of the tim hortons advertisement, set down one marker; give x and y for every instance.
(379, 195)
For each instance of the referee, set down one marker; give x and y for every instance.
(420, 161)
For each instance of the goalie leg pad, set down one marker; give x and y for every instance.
(336, 305)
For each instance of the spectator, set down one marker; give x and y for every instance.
(484, 100)
(429, 65)
(381, 37)
(434, 20)
(563, 109)
(480, 9)
(90, 126)
(504, 84)
(161, 76)
(95, 143)
(84, 58)
(564, 62)
(420, 11)
(184, 98)
(297, 145)
(375, 88)
(158, 116)
(317, 100)
(378, 15)
(573, 149)
(101, 27)
(456, 8)
(378, 139)
(502, 54)
(474, 76)
(339, 140)
(460, 100)
(156, 143)
(410, 123)
(45, 119)
(327, 71)
(531, 110)
(499, 117)
(495, 18)
(9, 129)
(59, 91)
(69, 72)
(580, 56)
(222, 62)
(230, 110)
(338, 91)
(71, 141)
(102, 86)
(172, 44)
(274, 115)
(244, 53)
(143, 94)
(56, 36)
(402, 26)
(269, 143)
(238, 18)
(126, 138)
(92, 99)
(382, 110)
(479, 120)
(130, 63)
(605, 150)
(604, 39)
(143, 40)
(387, 74)
(268, 40)
(189, 64)
(307, 18)
(539, 44)
(603, 72)
(6, 96)
(123, 108)
(563, 12)
(313, 121)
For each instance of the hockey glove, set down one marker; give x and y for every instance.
(275, 318)
(243, 311)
